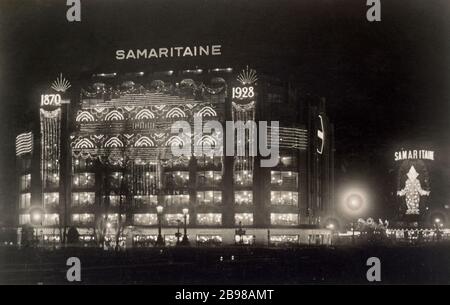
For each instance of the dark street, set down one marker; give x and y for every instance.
(330, 265)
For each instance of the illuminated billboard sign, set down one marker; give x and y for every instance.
(415, 154)
(413, 179)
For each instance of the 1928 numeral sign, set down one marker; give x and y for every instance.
(243, 92)
(50, 100)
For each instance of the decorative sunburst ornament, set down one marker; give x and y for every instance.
(61, 84)
(247, 76)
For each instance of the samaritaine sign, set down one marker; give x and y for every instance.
(169, 52)
(415, 154)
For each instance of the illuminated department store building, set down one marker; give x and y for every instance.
(104, 162)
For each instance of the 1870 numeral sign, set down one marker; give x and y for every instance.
(50, 100)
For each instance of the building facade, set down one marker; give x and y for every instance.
(103, 163)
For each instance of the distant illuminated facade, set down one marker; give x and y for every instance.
(109, 166)
(413, 175)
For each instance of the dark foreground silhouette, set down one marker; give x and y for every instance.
(427, 264)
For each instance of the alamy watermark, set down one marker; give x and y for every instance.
(243, 139)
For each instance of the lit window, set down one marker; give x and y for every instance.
(243, 177)
(51, 200)
(82, 219)
(115, 179)
(24, 219)
(209, 178)
(209, 219)
(284, 198)
(176, 179)
(172, 219)
(25, 201)
(209, 161)
(83, 180)
(25, 182)
(82, 164)
(145, 200)
(51, 219)
(284, 240)
(284, 219)
(284, 178)
(51, 179)
(178, 200)
(246, 219)
(244, 239)
(288, 161)
(114, 200)
(243, 197)
(147, 182)
(209, 198)
(145, 219)
(113, 219)
(209, 240)
(83, 198)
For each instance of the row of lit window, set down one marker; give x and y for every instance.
(86, 165)
(181, 179)
(51, 200)
(172, 179)
(210, 219)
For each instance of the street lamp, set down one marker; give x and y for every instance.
(185, 241)
(438, 224)
(178, 234)
(160, 239)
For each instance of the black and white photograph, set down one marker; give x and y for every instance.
(207, 144)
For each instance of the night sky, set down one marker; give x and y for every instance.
(384, 82)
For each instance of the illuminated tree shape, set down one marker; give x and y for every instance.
(412, 191)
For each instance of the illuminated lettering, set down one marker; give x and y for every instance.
(120, 54)
(50, 100)
(416, 154)
(243, 92)
(142, 53)
(213, 50)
